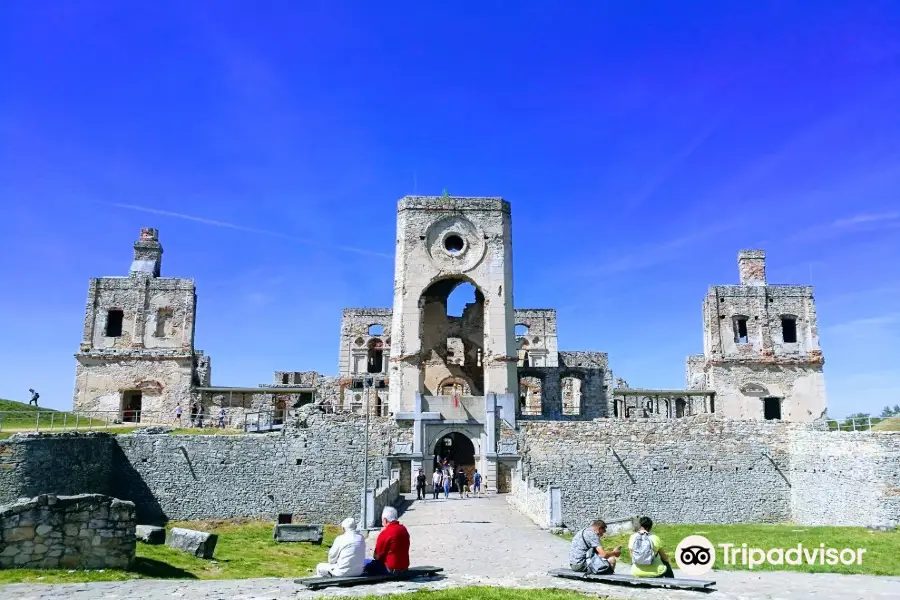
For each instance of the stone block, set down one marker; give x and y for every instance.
(198, 543)
(299, 533)
(150, 534)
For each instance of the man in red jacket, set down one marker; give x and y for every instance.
(391, 548)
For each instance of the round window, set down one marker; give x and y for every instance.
(454, 244)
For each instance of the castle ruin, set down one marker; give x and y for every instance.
(451, 385)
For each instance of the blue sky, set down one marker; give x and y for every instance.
(641, 145)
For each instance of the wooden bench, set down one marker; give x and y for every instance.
(317, 583)
(664, 582)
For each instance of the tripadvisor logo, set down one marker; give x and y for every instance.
(696, 555)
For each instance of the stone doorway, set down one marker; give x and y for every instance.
(457, 449)
(131, 406)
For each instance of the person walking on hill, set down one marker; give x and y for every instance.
(34, 397)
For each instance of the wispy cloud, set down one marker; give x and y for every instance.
(661, 253)
(862, 222)
(863, 326)
(227, 225)
(669, 169)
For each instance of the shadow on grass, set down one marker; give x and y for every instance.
(149, 567)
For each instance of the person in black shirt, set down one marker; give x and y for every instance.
(420, 486)
(461, 482)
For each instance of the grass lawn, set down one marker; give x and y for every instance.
(880, 558)
(487, 593)
(244, 550)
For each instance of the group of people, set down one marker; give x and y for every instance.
(445, 475)
(197, 416)
(347, 556)
(648, 558)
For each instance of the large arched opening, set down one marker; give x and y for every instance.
(452, 335)
(455, 450)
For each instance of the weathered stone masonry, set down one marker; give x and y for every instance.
(315, 473)
(88, 531)
(707, 470)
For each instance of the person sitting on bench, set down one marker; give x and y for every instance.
(648, 559)
(586, 555)
(391, 548)
(347, 556)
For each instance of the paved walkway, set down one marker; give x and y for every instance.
(477, 541)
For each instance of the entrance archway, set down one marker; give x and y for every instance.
(458, 450)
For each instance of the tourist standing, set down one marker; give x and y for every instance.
(222, 417)
(476, 483)
(178, 415)
(461, 482)
(420, 485)
(446, 482)
(436, 482)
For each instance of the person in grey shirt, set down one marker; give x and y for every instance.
(586, 555)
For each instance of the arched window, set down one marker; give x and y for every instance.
(680, 407)
(376, 329)
(521, 330)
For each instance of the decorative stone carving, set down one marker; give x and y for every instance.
(507, 447)
(403, 448)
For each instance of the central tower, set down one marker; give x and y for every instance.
(444, 242)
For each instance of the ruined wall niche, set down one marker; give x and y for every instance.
(530, 395)
(162, 322)
(572, 388)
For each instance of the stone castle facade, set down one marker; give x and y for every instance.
(455, 386)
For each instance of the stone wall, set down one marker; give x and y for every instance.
(690, 470)
(845, 478)
(384, 496)
(64, 464)
(88, 531)
(541, 505)
(313, 470)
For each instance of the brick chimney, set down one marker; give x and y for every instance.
(752, 267)
(147, 254)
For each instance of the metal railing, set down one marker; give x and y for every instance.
(864, 424)
(99, 420)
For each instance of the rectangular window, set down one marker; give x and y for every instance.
(772, 408)
(740, 330)
(789, 330)
(114, 319)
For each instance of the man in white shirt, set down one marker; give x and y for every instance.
(347, 556)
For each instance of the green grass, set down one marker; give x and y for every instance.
(486, 593)
(244, 550)
(24, 418)
(880, 557)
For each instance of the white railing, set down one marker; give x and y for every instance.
(864, 424)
